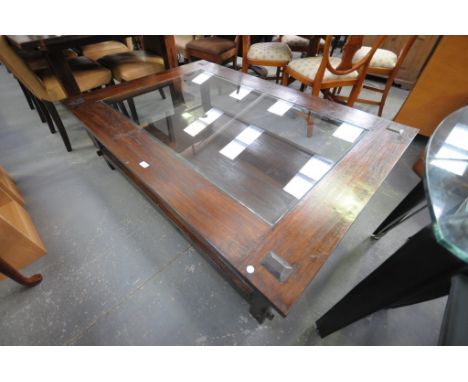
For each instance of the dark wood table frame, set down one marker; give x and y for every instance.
(52, 46)
(232, 237)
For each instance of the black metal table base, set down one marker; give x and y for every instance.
(420, 270)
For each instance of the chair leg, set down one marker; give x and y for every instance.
(161, 92)
(27, 95)
(123, 109)
(38, 109)
(234, 62)
(353, 96)
(58, 121)
(131, 105)
(285, 80)
(278, 74)
(47, 116)
(388, 86)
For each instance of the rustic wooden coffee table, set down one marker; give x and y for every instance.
(263, 179)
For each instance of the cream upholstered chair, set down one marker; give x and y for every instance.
(385, 63)
(276, 54)
(46, 88)
(324, 73)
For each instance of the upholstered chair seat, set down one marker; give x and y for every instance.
(382, 58)
(101, 49)
(309, 66)
(88, 75)
(270, 51)
(131, 65)
(211, 45)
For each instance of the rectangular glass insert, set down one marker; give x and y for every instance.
(265, 152)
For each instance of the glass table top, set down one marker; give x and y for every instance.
(446, 182)
(263, 151)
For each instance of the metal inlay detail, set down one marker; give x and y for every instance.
(277, 266)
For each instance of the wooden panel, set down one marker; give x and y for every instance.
(19, 241)
(415, 60)
(441, 89)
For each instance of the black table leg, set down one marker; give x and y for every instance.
(402, 211)
(420, 270)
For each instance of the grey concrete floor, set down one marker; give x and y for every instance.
(118, 273)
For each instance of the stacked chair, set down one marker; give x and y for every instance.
(43, 88)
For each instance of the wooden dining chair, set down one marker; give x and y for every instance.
(214, 49)
(46, 88)
(383, 63)
(325, 73)
(273, 54)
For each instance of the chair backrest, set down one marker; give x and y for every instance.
(346, 65)
(352, 45)
(404, 51)
(16, 65)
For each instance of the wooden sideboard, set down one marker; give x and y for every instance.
(441, 88)
(414, 62)
(20, 243)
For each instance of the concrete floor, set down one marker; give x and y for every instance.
(118, 273)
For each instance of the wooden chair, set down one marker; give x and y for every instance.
(46, 88)
(214, 48)
(385, 63)
(325, 73)
(276, 54)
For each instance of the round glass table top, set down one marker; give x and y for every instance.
(446, 182)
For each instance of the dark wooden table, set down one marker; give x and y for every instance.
(53, 45)
(269, 262)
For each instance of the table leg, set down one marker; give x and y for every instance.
(420, 270)
(61, 68)
(171, 51)
(13, 274)
(314, 45)
(402, 211)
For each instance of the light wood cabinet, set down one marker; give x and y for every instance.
(20, 243)
(441, 89)
(415, 60)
